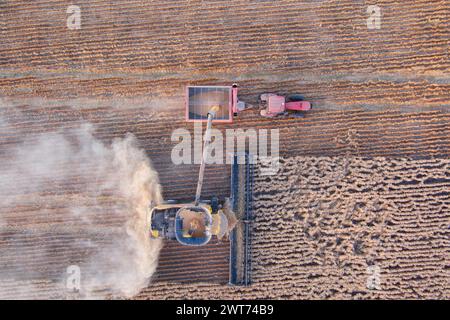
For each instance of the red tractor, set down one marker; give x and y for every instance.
(274, 105)
(200, 98)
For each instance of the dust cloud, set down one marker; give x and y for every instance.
(69, 199)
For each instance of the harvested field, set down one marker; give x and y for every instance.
(365, 177)
(181, 264)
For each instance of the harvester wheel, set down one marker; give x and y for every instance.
(294, 97)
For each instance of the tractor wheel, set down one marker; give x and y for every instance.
(298, 115)
(294, 97)
(260, 98)
(264, 97)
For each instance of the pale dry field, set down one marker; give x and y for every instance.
(365, 180)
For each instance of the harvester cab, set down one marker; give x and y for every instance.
(187, 223)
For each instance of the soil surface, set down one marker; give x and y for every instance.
(364, 184)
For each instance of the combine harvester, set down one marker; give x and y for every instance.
(195, 223)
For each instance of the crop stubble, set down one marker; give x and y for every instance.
(379, 97)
